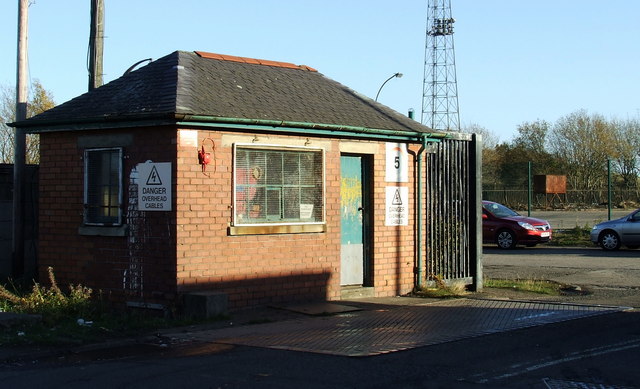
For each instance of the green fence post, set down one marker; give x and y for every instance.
(609, 188)
(529, 190)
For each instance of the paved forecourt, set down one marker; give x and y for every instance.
(390, 328)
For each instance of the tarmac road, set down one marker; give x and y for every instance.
(570, 265)
(596, 352)
(607, 278)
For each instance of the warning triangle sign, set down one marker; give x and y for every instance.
(397, 200)
(154, 177)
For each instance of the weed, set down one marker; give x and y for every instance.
(49, 302)
(443, 289)
(76, 317)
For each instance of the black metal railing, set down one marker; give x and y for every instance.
(451, 211)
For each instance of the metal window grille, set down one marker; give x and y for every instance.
(278, 185)
(103, 186)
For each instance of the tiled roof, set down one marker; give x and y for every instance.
(214, 85)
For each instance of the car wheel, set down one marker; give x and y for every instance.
(609, 241)
(506, 239)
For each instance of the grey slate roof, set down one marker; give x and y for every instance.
(192, 84)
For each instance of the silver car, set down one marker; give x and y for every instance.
(612, 234)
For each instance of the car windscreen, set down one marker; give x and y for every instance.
(499, 210)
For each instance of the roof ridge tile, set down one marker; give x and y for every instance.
(255, 61)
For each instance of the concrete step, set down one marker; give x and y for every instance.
(355, 292)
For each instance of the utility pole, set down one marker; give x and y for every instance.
(96, 44)
(17, 268)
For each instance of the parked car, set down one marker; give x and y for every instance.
(612, 234)
(507, 228)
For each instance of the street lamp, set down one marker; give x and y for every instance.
(387, 80)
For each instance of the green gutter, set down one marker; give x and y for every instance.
(104, 122)
(289, 127)
(305, 128)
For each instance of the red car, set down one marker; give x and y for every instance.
(507, 228)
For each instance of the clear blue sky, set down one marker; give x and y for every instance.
(517, 61)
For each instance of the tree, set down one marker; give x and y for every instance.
(527, 146)
(626, 154)
(532, 137)
(489, 155)
(584, 143)
(489, 139)
(40, 101)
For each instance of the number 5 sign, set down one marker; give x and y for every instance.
(397, 163)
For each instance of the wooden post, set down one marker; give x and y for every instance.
(96, 44)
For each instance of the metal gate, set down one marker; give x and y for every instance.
(453, 216)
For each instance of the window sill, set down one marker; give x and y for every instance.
(122, 230)
(277, 229)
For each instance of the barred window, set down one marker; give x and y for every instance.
(103, 186)
(278, 185)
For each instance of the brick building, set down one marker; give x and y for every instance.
(261, 180)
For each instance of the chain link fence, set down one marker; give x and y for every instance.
(573, 199)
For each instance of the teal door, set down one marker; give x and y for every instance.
(353, 209)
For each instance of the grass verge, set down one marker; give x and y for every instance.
(577, 236)
(456, 290)
(530, 286)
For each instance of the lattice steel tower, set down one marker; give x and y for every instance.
(440, 89)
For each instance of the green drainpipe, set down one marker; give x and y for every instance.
(419, 215)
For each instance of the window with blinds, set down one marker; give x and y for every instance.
(278, 185)
(103, 186)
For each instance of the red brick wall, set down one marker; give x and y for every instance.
(61, 191)
(252, 269)
(101, 262)
(257, 269)
(190, 248)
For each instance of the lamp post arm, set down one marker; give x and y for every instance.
(385, 81)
